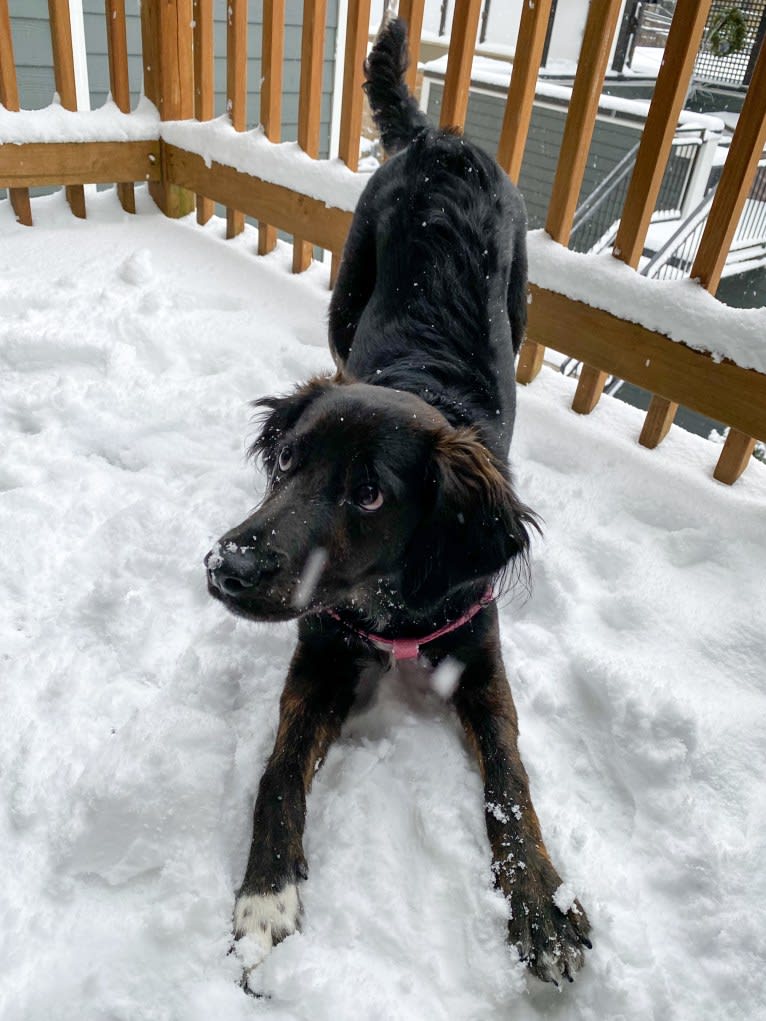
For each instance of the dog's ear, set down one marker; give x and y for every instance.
(278, 415)
(473, 525)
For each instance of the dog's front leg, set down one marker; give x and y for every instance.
(549, 939)
(317, 696)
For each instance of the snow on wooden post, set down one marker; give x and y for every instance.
(530, 43)
(236, 88)
(204, 94)
(412, 12)
(9, 98)
(465, 24)
(166, 33)
(670, 92)
(578, 132)
(272, 56)
(63, 71)
(119, 84)
(310, 101)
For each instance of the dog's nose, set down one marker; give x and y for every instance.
(236, 569)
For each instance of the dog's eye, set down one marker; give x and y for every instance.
(285, 459)
(368, 497)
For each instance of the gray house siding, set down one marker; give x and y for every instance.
(32, 51)
(32, 45)
(611, 140)
(98, 65)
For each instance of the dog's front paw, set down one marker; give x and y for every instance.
(267, 917)
(548, 928)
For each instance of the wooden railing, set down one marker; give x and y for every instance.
(178, 78)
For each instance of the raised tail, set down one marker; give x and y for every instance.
(394, 109)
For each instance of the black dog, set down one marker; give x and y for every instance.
(390, 514)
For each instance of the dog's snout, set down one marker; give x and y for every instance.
(234, 570)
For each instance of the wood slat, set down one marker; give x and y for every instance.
(735, 457)
(119, 82)
(412, 12)
(310, 101)
(581, 117)
(204, 82)
(667, 102)
(9, 97)
(288, 210)
(530, 44)
(670, 92)
(465, 23)
(723, 391)
(76, 163)
(272, 57)
(658, 421)
(236, 88)
(737, 177)
(578, 132)
(357, 33)
(63, 72)
(166, 33)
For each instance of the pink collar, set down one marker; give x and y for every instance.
(408, 648)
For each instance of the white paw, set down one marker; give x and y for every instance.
(267, 918)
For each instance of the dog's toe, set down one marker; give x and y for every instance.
(263, 920)
(551, 942)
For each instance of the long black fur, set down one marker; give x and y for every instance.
(396, 470)
(431, 294)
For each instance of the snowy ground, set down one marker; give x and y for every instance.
(136, 715)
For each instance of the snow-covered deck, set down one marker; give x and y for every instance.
(137, 715)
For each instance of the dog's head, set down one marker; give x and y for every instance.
(375, 503)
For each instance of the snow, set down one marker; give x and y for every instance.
(138, 715)
(681, 309)
(56, 124)
(251, 152)
(283, 163)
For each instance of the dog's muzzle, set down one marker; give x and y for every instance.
(235, 570)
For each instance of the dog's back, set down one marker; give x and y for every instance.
(432, 294)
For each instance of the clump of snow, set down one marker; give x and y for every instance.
(681, 309)
(564, 898)
(309, 579)
(446, 676)
(139, 714)
(54, 123)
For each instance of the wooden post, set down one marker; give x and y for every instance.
(9, 97)
(236, 88)
(412, 12)
(204, 87)
(357, 32)
(578, 131)
(681, 49)
(530, 44)
(272, 55)
(581, 117)
(731, 194)
(63, 71)
(310, 101)
(119, 84)
(465, 22)
(166, 31)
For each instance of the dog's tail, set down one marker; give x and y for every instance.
(394, 109)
